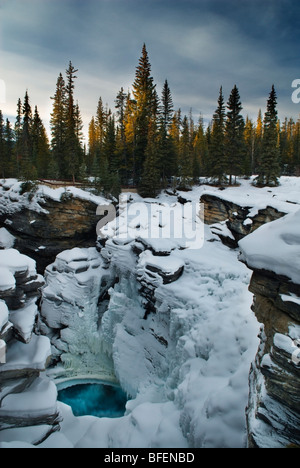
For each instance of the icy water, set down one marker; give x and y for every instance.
(103, 401)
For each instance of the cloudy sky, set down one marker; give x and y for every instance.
(198, 45)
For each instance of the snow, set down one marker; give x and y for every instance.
(23, 319)
(3, 314)
(32, 355)
(290, 298)
(185, 368)
(275, 247)
(15, 262)
(39, 399)
(7, 280)
(6, 239)
(12, 201)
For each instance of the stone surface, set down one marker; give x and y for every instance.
(43, 231)
(273, 413)
(238, 219)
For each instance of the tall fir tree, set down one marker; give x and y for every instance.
(201, 151)
(18, 138)
(40, 145)
(120, 104)
(185, 156)
(150, 181)
(269, 167)
(92, 153)
(249, 135)
(145, 110)
(234, 136)
(9, 149)
(58, 125)
(258, 141)
(28, 170)
(73, 149)
(167, 161)
(217, 163)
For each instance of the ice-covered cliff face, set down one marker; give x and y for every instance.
(176, 329)
(28, 406)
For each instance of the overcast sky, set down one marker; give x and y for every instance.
(197, 45)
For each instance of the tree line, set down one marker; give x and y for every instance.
(145, 142)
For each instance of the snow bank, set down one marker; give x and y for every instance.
(15, 262)
(275, 247)
(33, 355)
(13, 201)
(6, 239)
(7, 280)
(3, 314)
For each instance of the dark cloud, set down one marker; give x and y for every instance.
(198, 45)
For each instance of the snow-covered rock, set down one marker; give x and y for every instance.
(46, 221)
(275, 247)
(71, 310)
(273, 253)
(26, 398)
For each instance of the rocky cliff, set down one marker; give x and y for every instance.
(46, 221)
(231, 221)
(273, 413)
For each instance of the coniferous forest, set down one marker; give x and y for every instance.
(145, 142)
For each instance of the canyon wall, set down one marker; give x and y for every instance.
(273, 412)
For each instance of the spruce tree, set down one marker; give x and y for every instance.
(72, 144)
(150, 181)
(92, 153)
(249, 135)
(234, 136)
(28, 170)
(217, 163)
(9, 149)
(101, 122)
(166, 106)
(120, 104)
(185, 156)
(58, 125)
(201, 151)
(40, 145)
(18, 137)
(145, 110)
(167, 161)
(269, 167)
(258, 142)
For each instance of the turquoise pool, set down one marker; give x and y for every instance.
(94, 399)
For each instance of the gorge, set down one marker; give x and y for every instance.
(172, 325)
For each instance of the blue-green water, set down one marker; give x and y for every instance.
(103, 401)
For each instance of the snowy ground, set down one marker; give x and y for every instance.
(192, 393)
